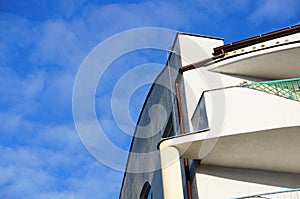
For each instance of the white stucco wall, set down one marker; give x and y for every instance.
(274, 59)
(248, 110)
(220, 188)
(195, 48)
(228, 182)
(198, 80)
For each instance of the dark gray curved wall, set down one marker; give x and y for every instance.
(164, 96)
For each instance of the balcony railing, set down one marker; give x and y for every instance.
(287, 194)
(287, 88)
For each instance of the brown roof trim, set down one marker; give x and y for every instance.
(257, 39)
(201, 62)
(198, 35)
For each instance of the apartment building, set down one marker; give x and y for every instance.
(221, 121)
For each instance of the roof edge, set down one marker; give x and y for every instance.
(258, 39)
(198, 35)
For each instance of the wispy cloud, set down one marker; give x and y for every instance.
(58, 45)
(28, 172)
(41, 49)
(275, 11)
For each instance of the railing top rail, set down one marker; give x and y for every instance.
(286, 88)
(272, 82)
(270, 193)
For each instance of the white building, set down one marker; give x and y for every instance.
(231, 121)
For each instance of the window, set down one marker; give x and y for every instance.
(199, 118)
(169, 130)
(146, 192)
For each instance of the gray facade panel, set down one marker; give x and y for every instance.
(149, 131)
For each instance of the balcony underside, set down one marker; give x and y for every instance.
(253, 130)
(279, 62)
(273, 150)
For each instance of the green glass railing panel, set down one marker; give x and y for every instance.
(287, 88)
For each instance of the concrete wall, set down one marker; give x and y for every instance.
(159, 108)
(231, 111)
(194, 48)
(248, 110)
(227, 182)
(199, 80)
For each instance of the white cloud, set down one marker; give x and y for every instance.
(20, 94)
(26, 174)
(66, 43)
(57, 45)
(13, 122)
(41, 160)
(54, 165)
(17, 35)
(113, 18)
(33, 85)
(41, 154)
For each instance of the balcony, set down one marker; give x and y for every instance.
(243, 125)
(288, 88)
(288, 194)
(275, 59)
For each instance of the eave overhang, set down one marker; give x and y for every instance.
(274, 149)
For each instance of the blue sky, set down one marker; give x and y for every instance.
(42, 45)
